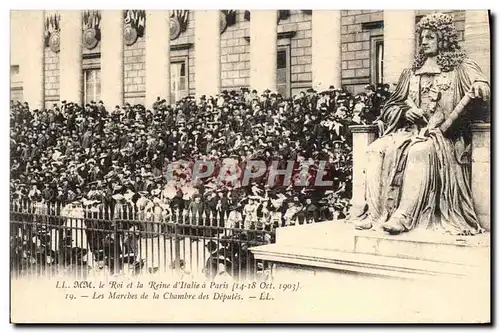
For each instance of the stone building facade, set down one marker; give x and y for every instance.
(204, 52)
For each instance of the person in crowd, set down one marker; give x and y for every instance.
(70, 150)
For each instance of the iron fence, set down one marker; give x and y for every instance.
(51, 239)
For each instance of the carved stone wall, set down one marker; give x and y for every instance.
(184, 47)
(359, 27)
(134, 71)
(235, 54)
(300, 49)
(356, 46)
(481, 177)
(52, 72)
(359, 30)
(235, 51)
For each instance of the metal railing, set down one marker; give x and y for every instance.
(51, 239)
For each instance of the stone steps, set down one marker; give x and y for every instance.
(366, 264)
(337, 245)
(341, 236)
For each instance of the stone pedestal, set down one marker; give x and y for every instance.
(112, 58)
(414, 246)
(71, 57)
(362, 136)
(326, 50)
(415, 276)
(157, 56)
(399, 43)
(480, 175)
(263, 50)
(207, 48)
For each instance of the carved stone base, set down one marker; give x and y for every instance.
(409, 255)
(367, 276)
(340, 236)
(480, 177)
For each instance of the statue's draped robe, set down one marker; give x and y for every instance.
(424, 181)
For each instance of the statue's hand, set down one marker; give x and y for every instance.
(481, 90)
(414, 114)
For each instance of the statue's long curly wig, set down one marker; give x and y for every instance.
(450, 54)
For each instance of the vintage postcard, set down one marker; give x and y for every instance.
(250, 166)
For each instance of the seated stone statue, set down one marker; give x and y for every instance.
(417, 174)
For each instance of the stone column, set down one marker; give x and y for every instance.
(480, 175)
(399, 43)
(477, 38)
(207, 48)
(157, 56)
(263, 49)
(32, 62)
(326, 50)
(71, 56)
(362, 136)
(112, 58)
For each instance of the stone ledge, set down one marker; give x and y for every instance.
(280, 35)
(372, 25)
(480, 127)
(182, 46)
(416, 245)
(131, 94)
(363, 263)
(363, 128)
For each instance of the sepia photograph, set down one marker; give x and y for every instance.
(250, 166)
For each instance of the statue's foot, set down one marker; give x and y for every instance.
(357, 212)
(363, 224)
(394, 226)
(368, 221)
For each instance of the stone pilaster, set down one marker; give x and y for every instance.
(112, 58)
(362, 136)
(207, 48)
(477, 38)
(71, 83)
(399, 43)
(326, 49)
(32, 64)
(480, 175)
(263, 49)
(157, 56)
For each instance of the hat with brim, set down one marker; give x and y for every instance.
(129, 194)
(118, 197)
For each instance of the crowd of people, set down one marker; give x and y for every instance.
(91, 156)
